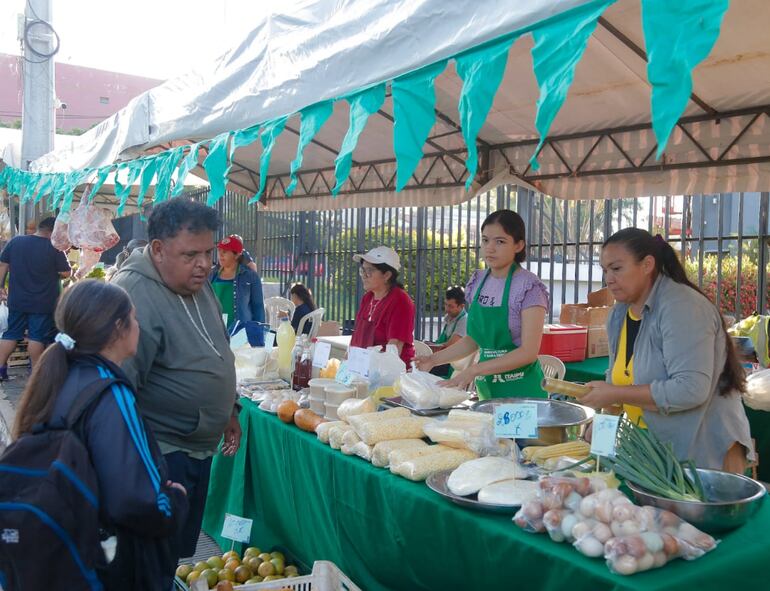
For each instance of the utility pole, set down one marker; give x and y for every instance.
(39, 46)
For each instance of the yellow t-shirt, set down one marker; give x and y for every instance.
(623, 375)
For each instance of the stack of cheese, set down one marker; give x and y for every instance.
(391, 438)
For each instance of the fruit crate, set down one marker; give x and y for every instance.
(326, 576)
(20, 355)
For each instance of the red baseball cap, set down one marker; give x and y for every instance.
(232, 243)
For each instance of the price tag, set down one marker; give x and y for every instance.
(358, 361)
(605, 430)
(321, 354)
(236, 528)
(239, 339)
(516, 421)
(269, 341)
(344, 375)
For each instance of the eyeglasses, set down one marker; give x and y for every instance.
(366, 272)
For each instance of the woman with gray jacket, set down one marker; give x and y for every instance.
(673, 367)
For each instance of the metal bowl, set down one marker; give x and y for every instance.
(557, 421)
(732, 500)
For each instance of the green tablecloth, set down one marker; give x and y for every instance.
(389, 533)
(759, 421)
(588, 370)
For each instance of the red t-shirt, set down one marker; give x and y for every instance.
(392, 318)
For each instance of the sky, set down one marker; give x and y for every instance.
(152, 38)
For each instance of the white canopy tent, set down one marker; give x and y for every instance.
(601, 143)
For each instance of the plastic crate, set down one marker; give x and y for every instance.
(325, 577)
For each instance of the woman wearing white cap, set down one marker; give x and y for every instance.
(386, 313)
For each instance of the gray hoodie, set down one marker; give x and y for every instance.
(185, 391)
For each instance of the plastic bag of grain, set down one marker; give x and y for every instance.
(399, 428)
(420, 468)
(381, 451)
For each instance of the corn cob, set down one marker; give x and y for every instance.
(573, 449)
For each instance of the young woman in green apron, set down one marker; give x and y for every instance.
(497, 321)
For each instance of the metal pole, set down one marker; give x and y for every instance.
(764, 206)
(37, 115)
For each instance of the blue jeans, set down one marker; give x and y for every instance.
(194, 476)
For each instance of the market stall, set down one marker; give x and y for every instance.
(389, 533)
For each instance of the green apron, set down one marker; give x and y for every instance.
(488, 326)
(444, 337)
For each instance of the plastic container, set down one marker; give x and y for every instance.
(362, 388)
(318, 406)
(317, 387)
(325, 577)
(330, 411)
(338, 393)
(566, 341)
(286, 339)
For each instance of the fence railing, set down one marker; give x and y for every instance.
(723, 241)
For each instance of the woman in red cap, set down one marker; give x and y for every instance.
(237, 287)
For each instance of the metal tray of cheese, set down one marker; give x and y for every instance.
(437, 482)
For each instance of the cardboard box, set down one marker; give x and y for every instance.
(598, 344)
(594, 316)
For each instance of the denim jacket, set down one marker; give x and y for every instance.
(680, 352)
(248, 298)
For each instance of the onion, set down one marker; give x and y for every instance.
(603, 511)
(625, 565)
(670, 545)
(568, 522)
(660, 559)
(646, 562)
(533, 510)
(653, 541)
(583, 486)
(590, 546)
(553, 518)
(621, 513)
(580, 529)
(621, 500)
(629, 527)
(588, 505)
(552, 501)
(636, 546)
(602, 532)
(572, 502)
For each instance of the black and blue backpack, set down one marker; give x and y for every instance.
(49, 507)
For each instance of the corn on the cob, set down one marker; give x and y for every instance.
(573, 449)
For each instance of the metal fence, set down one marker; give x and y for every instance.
(722, 239)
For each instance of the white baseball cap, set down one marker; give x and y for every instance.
(380, 255)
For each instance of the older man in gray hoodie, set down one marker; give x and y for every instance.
(184, 370)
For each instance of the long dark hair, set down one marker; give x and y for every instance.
(92, 313)
(304, 294)
(513, 225)
(641, 244)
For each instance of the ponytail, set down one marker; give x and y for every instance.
(92, 314)
(39, 396)
(642, 244)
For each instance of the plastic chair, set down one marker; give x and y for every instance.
(421, 349)
(553, 367)
(273, 306)
(315, 317)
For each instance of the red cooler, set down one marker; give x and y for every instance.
(566, 341)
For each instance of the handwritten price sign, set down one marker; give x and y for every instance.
(605, 430)
(237, 529)
(516, 421)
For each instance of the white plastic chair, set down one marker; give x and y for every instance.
(421, 349)
(275, 305)
(315, 317)
(553, 367)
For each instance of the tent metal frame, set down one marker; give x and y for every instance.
(380, 176)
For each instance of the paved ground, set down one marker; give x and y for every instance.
(10, 395)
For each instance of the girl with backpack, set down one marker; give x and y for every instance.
(78, 389)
